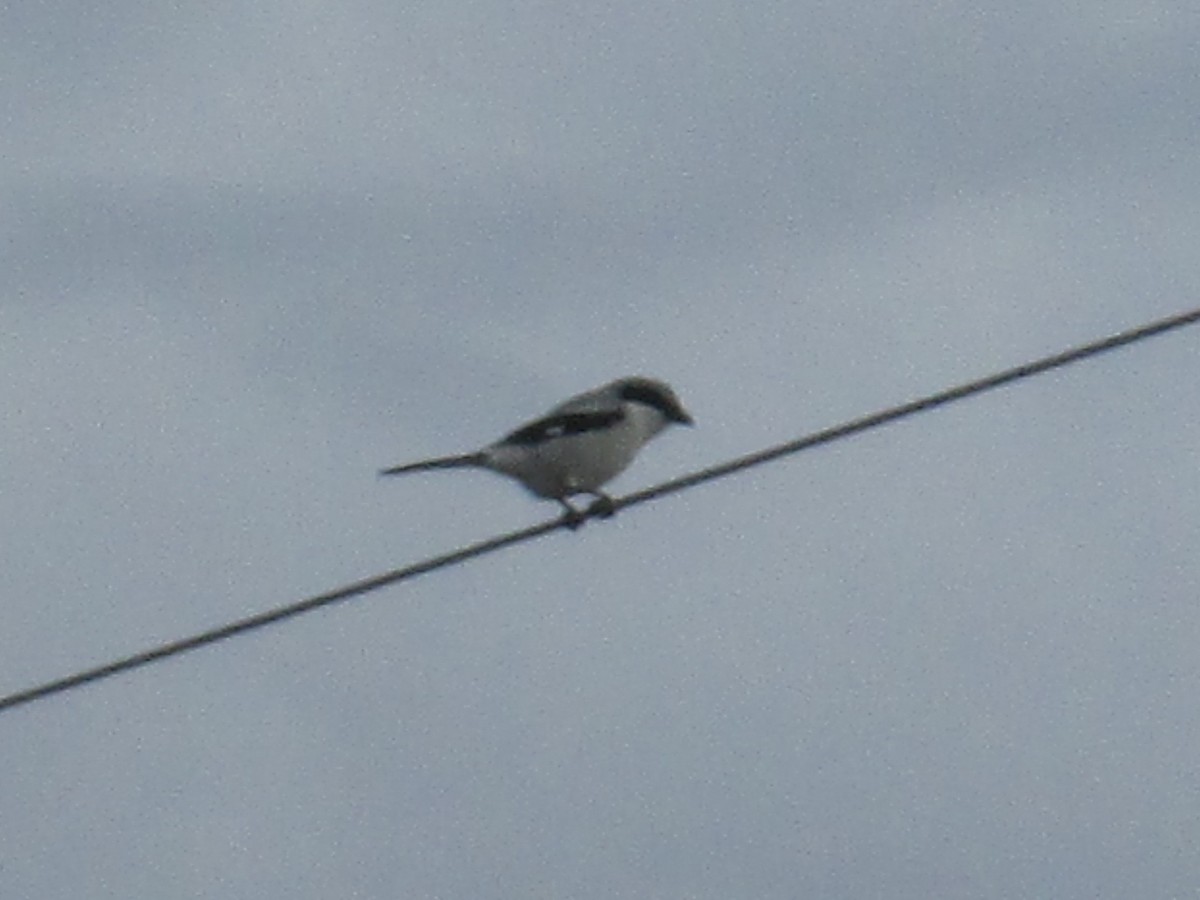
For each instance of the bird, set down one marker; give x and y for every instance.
(578, 446)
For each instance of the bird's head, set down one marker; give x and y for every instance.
(655, 394)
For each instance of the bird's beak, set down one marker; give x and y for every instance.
(681, 416)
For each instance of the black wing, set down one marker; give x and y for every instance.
(561, 425)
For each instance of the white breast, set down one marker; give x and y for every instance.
(578, 463)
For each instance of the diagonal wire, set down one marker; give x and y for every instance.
(922, 404)
(828, 435)
(259, 620)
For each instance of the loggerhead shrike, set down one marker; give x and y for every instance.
(578, 446)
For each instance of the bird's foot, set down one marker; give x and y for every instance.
(572, 518)
(602, 507)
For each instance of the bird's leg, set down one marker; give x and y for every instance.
(602, 506)
(571, 516)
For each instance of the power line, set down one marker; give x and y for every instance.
(259, 620)
(922, 404)
(828, 435)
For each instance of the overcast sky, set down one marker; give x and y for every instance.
(251, 253)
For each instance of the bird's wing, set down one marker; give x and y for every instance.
(561, 424)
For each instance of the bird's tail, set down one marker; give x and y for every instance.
(464, 460)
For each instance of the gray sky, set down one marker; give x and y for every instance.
(252, 253)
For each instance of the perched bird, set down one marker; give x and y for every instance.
(578, 446)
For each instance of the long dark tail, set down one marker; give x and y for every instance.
(464, 460)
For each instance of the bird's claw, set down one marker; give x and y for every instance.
(572, 518)
(602, 507)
